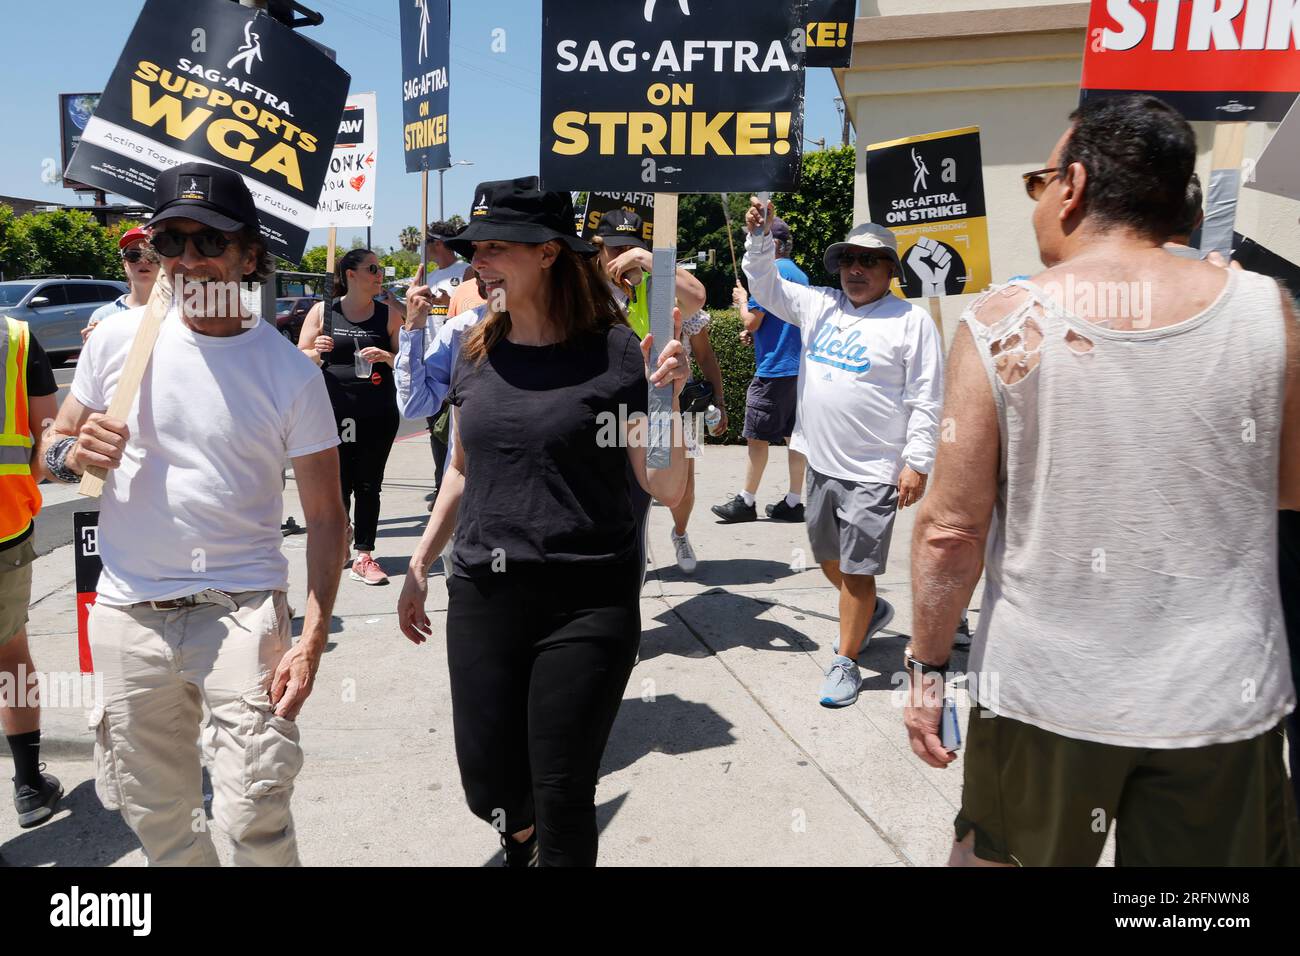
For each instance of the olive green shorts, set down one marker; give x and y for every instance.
(1035, 798)
(15, 588)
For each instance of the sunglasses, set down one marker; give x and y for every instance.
(869, 260)
(136, 254)
(373, 269)
(209, 243)
(1037, 181)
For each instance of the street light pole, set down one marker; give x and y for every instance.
(460, 162)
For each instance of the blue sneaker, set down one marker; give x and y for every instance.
(882, 615)
(841, 684)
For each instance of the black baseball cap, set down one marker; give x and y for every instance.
(516, 210)
(618, 227)
(208, 194)
(780, 231)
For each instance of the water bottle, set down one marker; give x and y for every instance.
(712, 417)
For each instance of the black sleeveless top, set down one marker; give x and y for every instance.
(352, 396)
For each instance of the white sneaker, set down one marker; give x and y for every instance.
(685, 553)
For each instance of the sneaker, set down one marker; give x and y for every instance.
(961, 639)
(519, 854)
(36, 806)
(783, 512)
(365, 570)
(735, 511)
(882, 615)
(685, 553)
(841, 684)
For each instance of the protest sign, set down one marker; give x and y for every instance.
(929, 190)
(86, 568)
(1256, 258)
(829, 29)
(1277, 170)
(426, 90)
(672, 95)
(348, 196)
(1211, 59)
(219, 83)
(643, 204)
(75, 111)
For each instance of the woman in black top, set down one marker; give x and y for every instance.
(355, 350)
(549, 395)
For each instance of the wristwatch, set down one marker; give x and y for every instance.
(56, 457)
(912, 664)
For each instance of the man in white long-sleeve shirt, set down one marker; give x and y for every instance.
(870, 390)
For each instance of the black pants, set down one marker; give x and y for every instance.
(439, 454)
(361, 470)
(539, 658)
(1289, 579)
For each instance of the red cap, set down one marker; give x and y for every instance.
(132, 235)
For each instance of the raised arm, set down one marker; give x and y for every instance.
(793, 302)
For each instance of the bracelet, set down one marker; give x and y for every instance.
(912, 664)
(56, 457)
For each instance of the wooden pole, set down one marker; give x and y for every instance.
(663, 297)
(137, 360)
(424, 225)
(731, 243)
(330, 245)
(936, 313)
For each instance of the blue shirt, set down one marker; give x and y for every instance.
(104, 311)
(423, 383)
(777, 343)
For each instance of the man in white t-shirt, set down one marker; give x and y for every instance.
(870, 390)
(192, 606)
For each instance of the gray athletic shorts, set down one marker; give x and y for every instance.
(850, 522)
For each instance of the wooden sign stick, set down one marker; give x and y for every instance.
(137, 360)
(663, 298)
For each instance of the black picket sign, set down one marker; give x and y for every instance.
(672, 95)
(212, 81)
(426, 91)
(829, 26)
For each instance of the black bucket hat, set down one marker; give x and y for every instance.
(515, 210)
(618, 227)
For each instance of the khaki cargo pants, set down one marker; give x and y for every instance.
(161, 669)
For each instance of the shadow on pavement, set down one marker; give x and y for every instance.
(667, 725)
(81, 833)
(749, 571)
(725, 620)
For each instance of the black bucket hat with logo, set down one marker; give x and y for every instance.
(208, 194)
(516, 210)
(618, 227)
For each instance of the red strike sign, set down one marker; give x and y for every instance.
(1213, 59)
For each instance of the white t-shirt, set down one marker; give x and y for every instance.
(198, 499)
(870, 377)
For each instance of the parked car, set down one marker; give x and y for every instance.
(290, 312)
(57, 308)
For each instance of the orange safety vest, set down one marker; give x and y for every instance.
(20, 499)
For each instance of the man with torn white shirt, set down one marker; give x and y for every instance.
(870, 390)
(192, 609)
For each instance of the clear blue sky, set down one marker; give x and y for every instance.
(71, 46)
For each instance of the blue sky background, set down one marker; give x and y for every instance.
(71, 46)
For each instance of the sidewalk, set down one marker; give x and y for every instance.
(720, 756)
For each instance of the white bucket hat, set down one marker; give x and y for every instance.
(868, 237)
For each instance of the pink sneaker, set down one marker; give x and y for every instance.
(365, 570)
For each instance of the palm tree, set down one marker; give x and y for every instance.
(410, 238)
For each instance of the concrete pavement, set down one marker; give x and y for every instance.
(720, 755)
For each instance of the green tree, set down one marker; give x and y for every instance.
(410, 238)
(16, 250)
(68, 241)
(821, 212)
(313, 260)
(404, 261)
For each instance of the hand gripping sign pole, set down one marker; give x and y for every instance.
(137, 360)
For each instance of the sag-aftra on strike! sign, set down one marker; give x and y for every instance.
(1212, 59)
(672, 95)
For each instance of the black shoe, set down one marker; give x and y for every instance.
(36, 806)
(520, 854)
(961, 640)
(430, 496)
(783, 512)
(735, 511)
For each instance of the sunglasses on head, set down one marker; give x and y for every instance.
(1037, 181)
(869, 260)
(209, 243)
(136, 253)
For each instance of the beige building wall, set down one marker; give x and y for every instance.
(1011, 67)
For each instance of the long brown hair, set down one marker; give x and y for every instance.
(581, 302)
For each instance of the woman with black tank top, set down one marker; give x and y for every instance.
(543, 620)
(354, 346)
